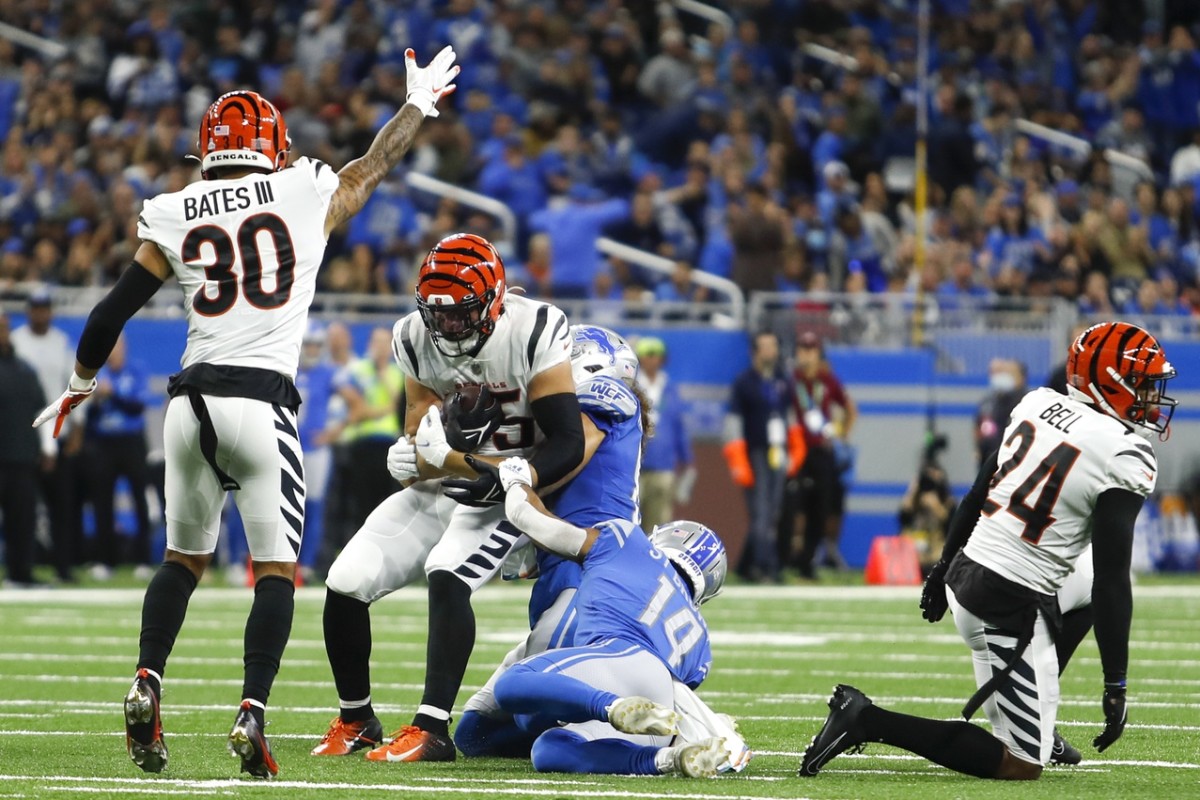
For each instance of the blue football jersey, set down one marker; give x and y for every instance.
(607, 488)
(630, 591)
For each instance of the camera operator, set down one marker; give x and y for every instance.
(927, 506)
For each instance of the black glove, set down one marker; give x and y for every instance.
(467, 430)
(933, 596)
(481, 492)
(1115, 716)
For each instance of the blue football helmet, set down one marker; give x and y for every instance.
(697, 552)
(597, 351)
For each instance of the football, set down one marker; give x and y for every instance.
(472, 414)
(466, 396)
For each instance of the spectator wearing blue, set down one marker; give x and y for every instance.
(852, 249)
(115, 441)
(514, 180)
(573, 227)
(314, 381)
(838, 191)
(1010, 244)
(963, 284)
(668, 474)
(831, 144)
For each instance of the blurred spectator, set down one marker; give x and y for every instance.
(1006, 387)
(927, 506)
(1185, 164)
(763, 446)
(373, 390)
(314, 381)
(758, 230)
(573, 228)
(49, 351)
(1124, 249)
(668, 474)
(23, 454)
(827, 416)
(337, 522)
(667, 78)
(115, 447)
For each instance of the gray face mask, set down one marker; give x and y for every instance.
(1002, 381)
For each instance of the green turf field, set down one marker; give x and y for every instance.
(66, 659)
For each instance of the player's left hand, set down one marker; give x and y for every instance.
(933, 597)
(480, 492)
(514, 471)
(402, 460)
(1115, 716)
(77, 391)
(427, 85)
(431, 439)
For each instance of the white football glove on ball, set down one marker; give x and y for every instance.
(429, 84)
(77, 391)
(402, 460)
(431, 438)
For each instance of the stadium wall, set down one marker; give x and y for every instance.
(897, 390)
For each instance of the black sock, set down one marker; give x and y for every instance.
(163, 610)
(267, 631)
(348, 645)
(451, 639)
(1075, 626)
(957, 745)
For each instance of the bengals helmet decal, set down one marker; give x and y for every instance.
(1121, 369)
(243, 129)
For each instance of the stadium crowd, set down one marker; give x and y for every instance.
(730, 151)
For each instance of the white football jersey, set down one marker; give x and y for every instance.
(246, 252)
(1059, 455)
(530, 337)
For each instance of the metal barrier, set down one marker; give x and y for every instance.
(705, 11)
(1084, 148)
(665, 266)
(488, 205)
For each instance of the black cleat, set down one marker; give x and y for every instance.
(247, 742)
(841, 731)
(143, 725)
(1063, 752)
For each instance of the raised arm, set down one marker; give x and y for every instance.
(360, 177)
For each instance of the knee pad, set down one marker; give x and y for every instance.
(355, 577)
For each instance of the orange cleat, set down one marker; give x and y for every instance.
(143, 725)
(411, 743)
(344, 738)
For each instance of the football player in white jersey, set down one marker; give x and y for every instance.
(1072, 471)
(468, 332)
(245, 244)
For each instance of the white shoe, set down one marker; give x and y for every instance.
(699, 760)
(101, 573)
(642, 715)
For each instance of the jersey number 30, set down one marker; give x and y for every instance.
(221, 273)
(1052, 471)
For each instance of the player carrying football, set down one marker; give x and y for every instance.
(467, 332)
(1071, 470)
(245, 244)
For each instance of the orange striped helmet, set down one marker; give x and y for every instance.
(243, 129)
(1121, 369)
(460, 293)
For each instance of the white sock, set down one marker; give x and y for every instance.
(366, 701)
(255, 703)
(664, 760)
(433, 711)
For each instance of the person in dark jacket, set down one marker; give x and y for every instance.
(22, 453)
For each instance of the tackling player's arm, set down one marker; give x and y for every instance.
(137, 284)
(360, 177)
(525, 510)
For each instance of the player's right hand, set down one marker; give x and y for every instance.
(427, 85)
(515, 471)
(1115, 716)
(431, 438)
(402, 460)
(933, 596)
(77, 391)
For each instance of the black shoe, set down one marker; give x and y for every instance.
(247, 742)
(1063, 752)
(841, 732)
(143, 726)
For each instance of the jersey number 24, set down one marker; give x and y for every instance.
(1049, 474)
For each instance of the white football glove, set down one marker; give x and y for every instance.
(77, 391)
(514, 471)
(431, 438)
(429, 84)
(402, 460)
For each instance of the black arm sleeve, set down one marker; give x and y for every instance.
(133, 290)
(968, 511)
(1112, 597)
(559, 418)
